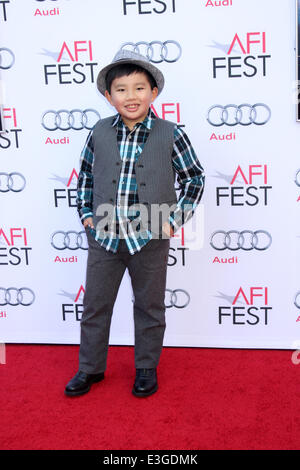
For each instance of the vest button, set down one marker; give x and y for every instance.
(114, 181)
(141, 166)
(111, 200)
(143, 184)
(118, 163)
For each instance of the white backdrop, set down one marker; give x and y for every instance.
(225, 53)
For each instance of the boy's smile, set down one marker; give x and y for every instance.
(132, 96)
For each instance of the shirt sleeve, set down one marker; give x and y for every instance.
(85, 180)
(190, 177)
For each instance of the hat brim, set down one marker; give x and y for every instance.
(154, 71)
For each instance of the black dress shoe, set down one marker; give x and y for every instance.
(81, 383)
(145, 382)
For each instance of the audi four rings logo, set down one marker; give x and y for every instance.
(62, 240)
(244, 114)
(157, 51)
(178, 300)
(12, 182)
(297, 178)
(65, 120)
(13, 296)
(7, 58)
(221, 240)
(297, 302)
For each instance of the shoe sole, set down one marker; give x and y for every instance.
(144, 394)
(82, 392)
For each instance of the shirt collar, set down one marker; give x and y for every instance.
(147, 122)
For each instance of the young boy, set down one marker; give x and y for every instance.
(128, 167)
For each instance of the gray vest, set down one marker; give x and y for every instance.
(155, 174)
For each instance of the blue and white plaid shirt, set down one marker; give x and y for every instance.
(190, 177)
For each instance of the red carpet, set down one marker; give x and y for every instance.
(207, 399)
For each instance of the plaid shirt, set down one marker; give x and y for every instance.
(190, 177)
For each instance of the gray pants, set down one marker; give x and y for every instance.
(147, 269)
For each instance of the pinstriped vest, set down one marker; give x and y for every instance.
(155, 175)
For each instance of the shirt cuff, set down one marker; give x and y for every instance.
(85, 213)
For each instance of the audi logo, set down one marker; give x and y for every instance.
(13, 296)
(297, 179)
(221, 240)
(65, 120)
(62, 240)
(7, 58)
(168, 51)
(244, 114)
(296, 301)
(178, 300)
(12, 182)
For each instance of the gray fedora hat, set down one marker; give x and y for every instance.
(125, 56)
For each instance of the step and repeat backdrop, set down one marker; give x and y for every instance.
(231, 84)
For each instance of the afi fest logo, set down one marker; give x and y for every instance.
(74, 309)
(255, 311)
(170, 111)
(66, 196)
(81, 68)
(246, 56)
(148, 7)
(3, 11)
(177, 253)
(14, 248)
(11, 137)
(248, 187)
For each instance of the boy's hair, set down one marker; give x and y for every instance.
(127, 69)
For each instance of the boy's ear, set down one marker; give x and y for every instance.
(107, 96)
(154, 93)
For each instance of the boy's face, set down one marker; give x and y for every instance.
(131, 95)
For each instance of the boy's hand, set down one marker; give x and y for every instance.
(88, 222)
(167, 229)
